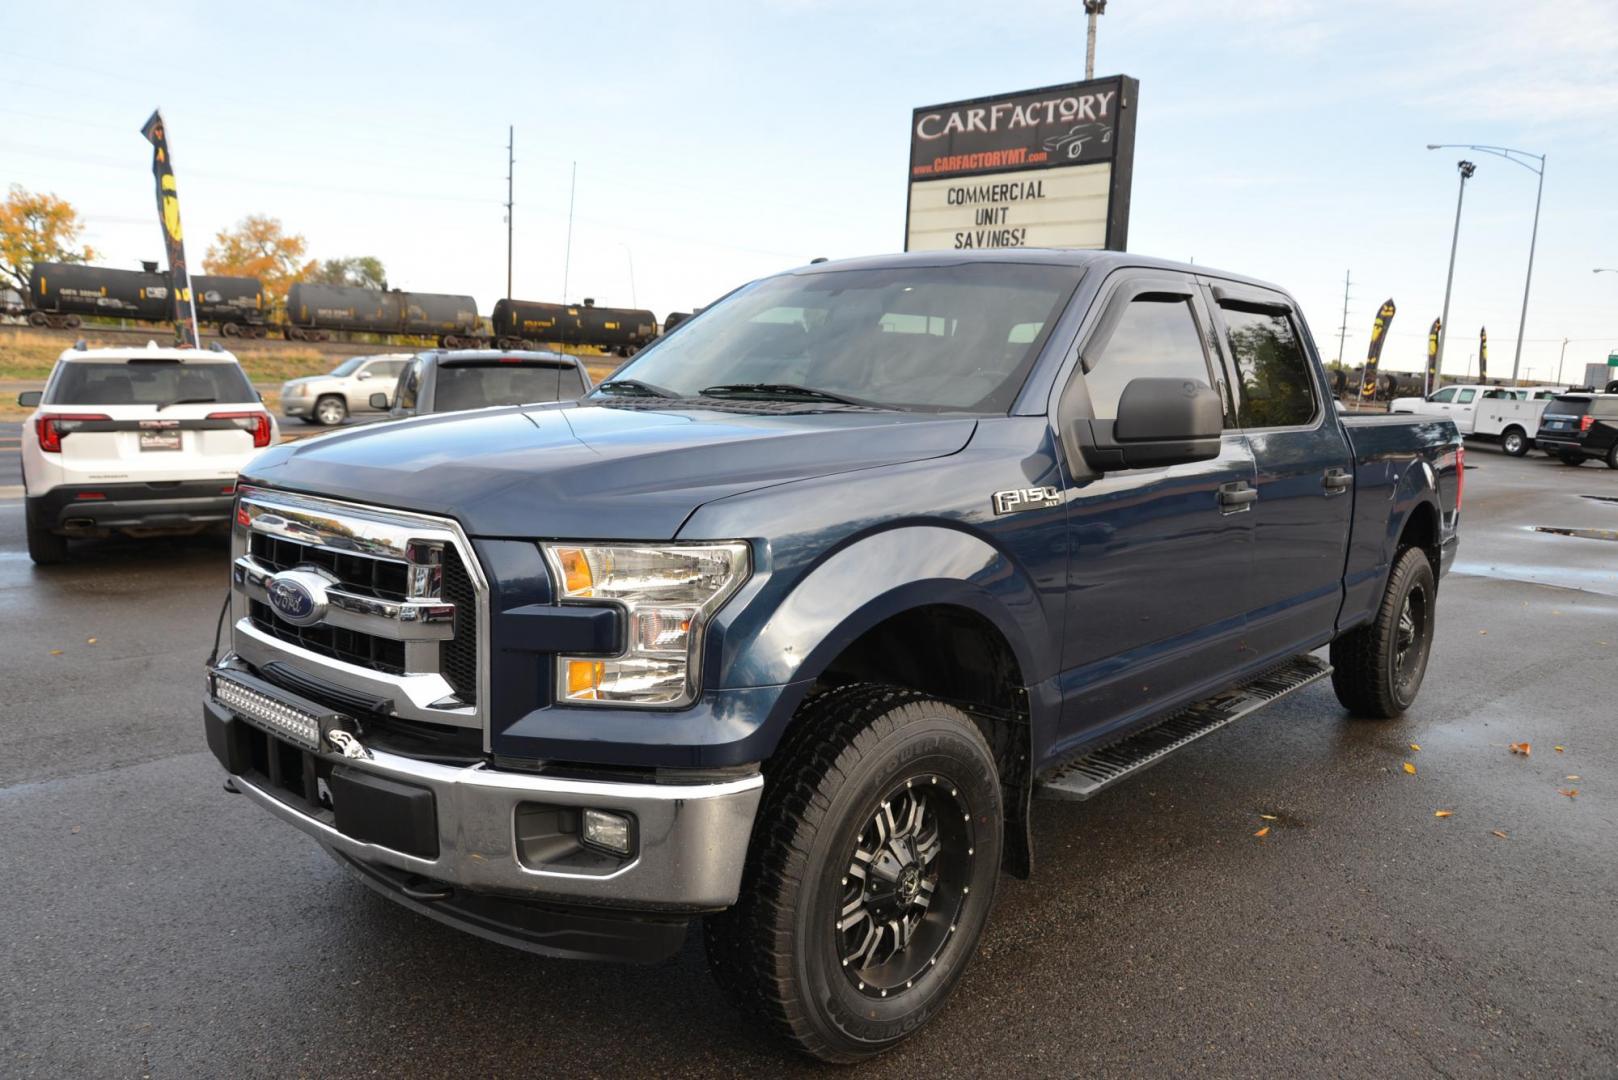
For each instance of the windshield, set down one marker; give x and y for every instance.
(154, 383)
(467, 387)
(910, 337)
(1567, 406)
(349, 366)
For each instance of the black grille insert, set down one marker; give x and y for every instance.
(458, 657)
(383, 578)
(349, 646)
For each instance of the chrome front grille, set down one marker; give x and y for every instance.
(398, 602)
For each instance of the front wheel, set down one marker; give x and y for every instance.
(1377, 669)
(1515, 442)
(870, 876)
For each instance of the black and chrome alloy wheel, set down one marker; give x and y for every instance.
(910, 872)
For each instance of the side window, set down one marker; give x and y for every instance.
(1466, 397)
(1276, 387)
(1445, 395)
(409, 386)
(1156, 337)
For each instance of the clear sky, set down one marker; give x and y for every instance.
(714, 143)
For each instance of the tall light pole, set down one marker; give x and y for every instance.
(1092, 8)
(1466, 169)
(511, 168)
(1516, 157)
(1561, 360)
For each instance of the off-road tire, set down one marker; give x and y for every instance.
(1515, 442)
(1366, 672)
(778, 951)
(44, 547)
(337, 406)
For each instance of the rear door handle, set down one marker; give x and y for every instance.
(1336, 480)
(1236, 496)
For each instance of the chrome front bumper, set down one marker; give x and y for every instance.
(691, 838)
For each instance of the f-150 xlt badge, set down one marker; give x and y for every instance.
(1033, 498)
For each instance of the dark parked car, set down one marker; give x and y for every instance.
(1578, 426)
(452, 381)
(783, 626)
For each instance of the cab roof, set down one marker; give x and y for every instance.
(150, 351)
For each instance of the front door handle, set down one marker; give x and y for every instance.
(1336, 480)
(1236, 496)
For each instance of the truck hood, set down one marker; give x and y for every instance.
(593, 471)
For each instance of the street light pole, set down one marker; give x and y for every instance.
(1092, 8)
(1516, 157)
(1561, 360)
(1466, 169)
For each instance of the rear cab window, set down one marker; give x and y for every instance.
(1275, 385)
(149, 382)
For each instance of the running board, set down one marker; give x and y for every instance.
(1098, 770)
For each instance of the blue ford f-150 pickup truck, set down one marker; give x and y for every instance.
(784, 626)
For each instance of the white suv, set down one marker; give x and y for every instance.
(139, 441)
(328, 399)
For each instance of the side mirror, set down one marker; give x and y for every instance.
(28, 399)
(363, 375)
(379, 401)
(1160, 422)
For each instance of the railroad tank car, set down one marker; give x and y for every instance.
(236, 304)
(675, 319)
(519, 323)
(61, 293)
(315, 310)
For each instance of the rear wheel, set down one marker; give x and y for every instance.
(1377, 669)
(1514, 441)
(1612, 456)
(870, 875)
(45, 547)
(38, 319)
(330, 410)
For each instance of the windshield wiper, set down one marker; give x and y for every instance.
(635, 386)
(785, 391)
(187, 401)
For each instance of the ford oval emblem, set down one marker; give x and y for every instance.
(297, 596)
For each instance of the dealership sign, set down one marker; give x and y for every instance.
(1038, 168)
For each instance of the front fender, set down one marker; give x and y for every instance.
(874, 577)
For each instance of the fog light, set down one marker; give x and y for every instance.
(607, 831)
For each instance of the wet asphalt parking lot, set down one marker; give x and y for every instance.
(154, 925)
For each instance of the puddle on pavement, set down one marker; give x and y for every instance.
(1583, 534)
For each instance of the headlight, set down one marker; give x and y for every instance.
(667, 592)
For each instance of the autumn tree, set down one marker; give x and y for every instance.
(259, 247)
(36, 228)
(364, 271)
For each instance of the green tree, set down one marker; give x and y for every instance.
(36, 228)
(365, 271)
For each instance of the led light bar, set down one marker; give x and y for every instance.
(278, 718)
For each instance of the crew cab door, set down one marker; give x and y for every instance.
(1159, 558)
(1304, 464)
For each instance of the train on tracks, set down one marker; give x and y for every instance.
(62, 295)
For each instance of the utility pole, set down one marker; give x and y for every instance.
(567, 259)
(511, 168)
(1342, 331)
(1466, 169)
(1092, 8)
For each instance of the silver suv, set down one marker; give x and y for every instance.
(328, 399)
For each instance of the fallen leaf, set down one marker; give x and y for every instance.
(1500, 834)
(1483, 633)
(56, 652)
(1521, 748)
(1570, 778)
(90, 641)
(1415, 746)
(1571, 793)
(1272, 817)
(1442, 813)
(1263, 832)
(76, 828)
(1559, 750)
(1409, 768)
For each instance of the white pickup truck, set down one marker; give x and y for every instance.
(1508, 415)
